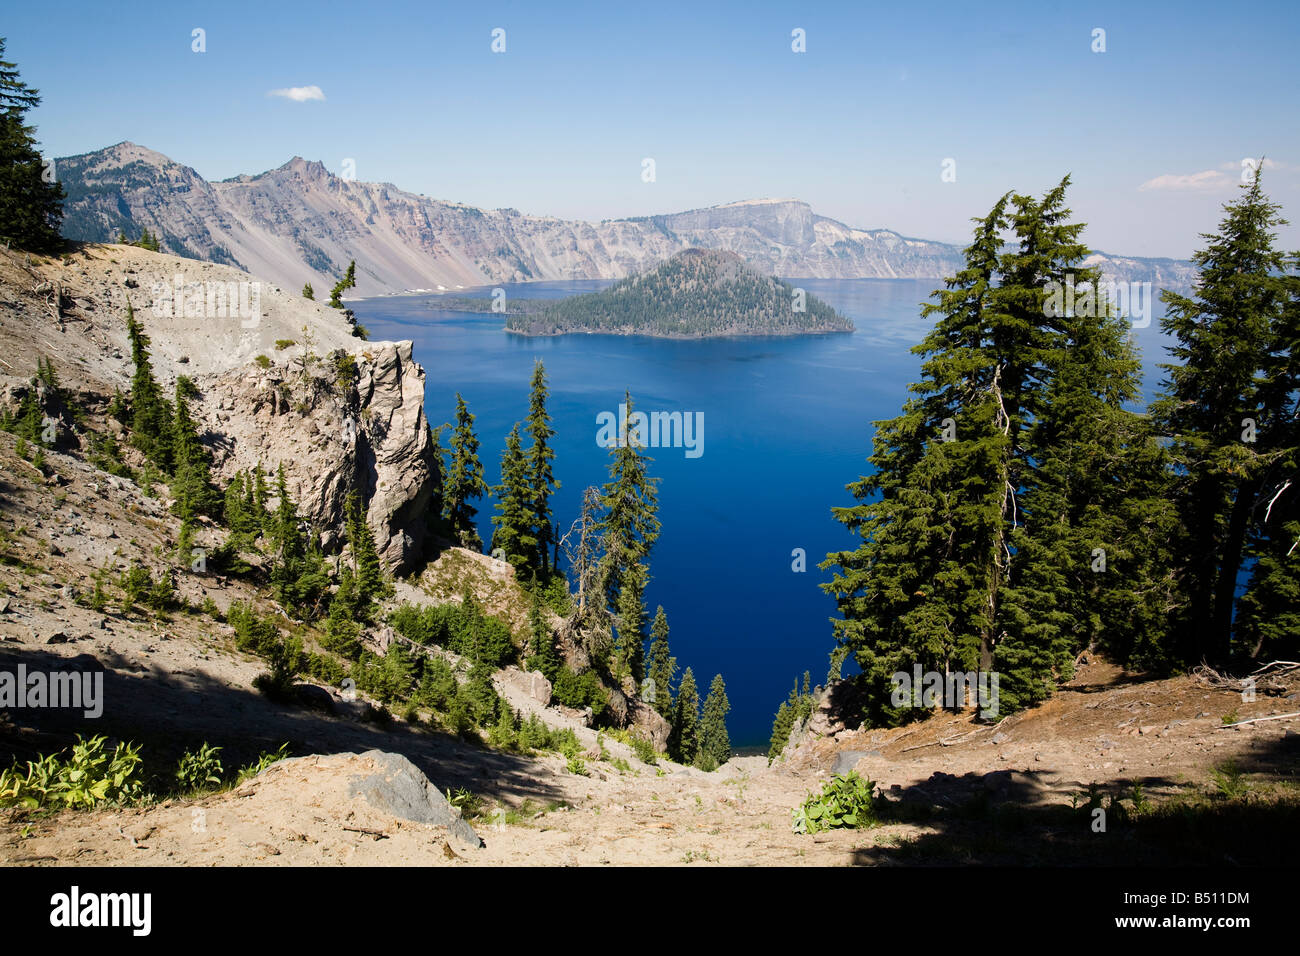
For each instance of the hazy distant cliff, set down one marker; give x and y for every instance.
(300, 223)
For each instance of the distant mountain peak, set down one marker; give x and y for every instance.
(301, 223)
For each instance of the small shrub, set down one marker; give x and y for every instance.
(199, 768)
(282, 344)
(845, 801)
(267, 758)
(263, 361)
(1228, 780)
(90, 776)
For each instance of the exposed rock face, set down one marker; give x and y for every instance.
(648, 722)
(397, 786)
(531, 683)
(301, 223)
(372, 437)
(256, 403)
(639, 717)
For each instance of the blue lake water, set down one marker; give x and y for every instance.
(787, 424)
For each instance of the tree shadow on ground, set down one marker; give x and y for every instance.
(1015, 818)
(171, 713)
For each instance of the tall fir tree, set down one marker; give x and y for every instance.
(684, 739)
(630, 525)
(932, 516)
(629, 648)
(541, 640)
(663, 666)
(31, 199)
(541, 473)
(715, 744)
(1229, 413)
(514, 525)
(191, 484)
(1014, 467)
(464, 479)
(370, 584)
(151, 413)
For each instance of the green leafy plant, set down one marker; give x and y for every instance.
(197, 768)
(845, 802)
(1229, 781)
(575, 764)
(261, 763)
(88, 777)
(468, 803)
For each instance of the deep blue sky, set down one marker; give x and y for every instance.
(858, 125)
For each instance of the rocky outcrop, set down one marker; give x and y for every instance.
(302, 223)
(334, 437)
(396, 786)
(634, 714)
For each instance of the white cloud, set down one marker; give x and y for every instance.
(1268, 164)
(299, 94)
(1207, 179)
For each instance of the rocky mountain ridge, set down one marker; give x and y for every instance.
(301, 223)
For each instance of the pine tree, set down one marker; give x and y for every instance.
(307, 292)
(994, 490)
(513, 532)
(1218, 402)
(933, 512)
(31, 200)
(291, 558)
(715, 744)
(191, 484)
(790, 712)
(541, 476)
(629, 527)
(464, 479)
(663, 666)
(545, 657)
(348, 281)
(683, 741)
(259, 492)
(629, 650)
(370, 584)
(151, 413)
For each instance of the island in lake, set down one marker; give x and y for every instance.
(698, 293)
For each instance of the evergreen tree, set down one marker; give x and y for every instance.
(370, 584)
(308, 292)
(513, 530)
(715, 744)
(151, 413)
(684, 741)
(191, 484)
(1227, 410)
(349, 281)
(994, 490)
(1268, 620)
(342, 626)
(464, 479)
(629, 650)
(545, 657)
(663, 666)
(31, 200)
(259, 492)
(933, 509)
(541, 476)
(298, 573)
(630, 526)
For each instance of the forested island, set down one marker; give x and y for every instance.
(480, 304)
(697, 293)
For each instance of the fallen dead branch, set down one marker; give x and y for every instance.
(1256, 720)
